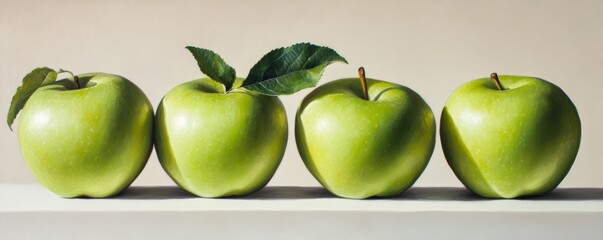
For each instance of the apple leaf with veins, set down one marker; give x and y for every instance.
(31, 82)
(212, 65)
(281, 71)
(288, 70)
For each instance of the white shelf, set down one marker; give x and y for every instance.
(30, 211)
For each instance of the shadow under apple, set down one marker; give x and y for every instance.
(413, 194)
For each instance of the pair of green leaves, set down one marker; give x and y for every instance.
(281, 71)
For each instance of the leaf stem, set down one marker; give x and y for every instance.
(76, 79)
(362, 76)
(494, 78)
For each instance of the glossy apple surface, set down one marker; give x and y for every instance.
(216, 144)
(88, 142)
(359, 148)
(519, 141)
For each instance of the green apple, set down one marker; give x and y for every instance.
(510, 137)
(86, 138)
(214, 144)
(225, 136)
(365, 140)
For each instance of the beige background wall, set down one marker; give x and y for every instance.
(430, 46)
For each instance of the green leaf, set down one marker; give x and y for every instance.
(289, 83)
(288, 70)
(31, 82)
(212, 65)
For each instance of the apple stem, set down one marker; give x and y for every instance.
(494, 78)
(362, 76)
(76, 79)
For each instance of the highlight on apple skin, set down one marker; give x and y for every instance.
(510, 136)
